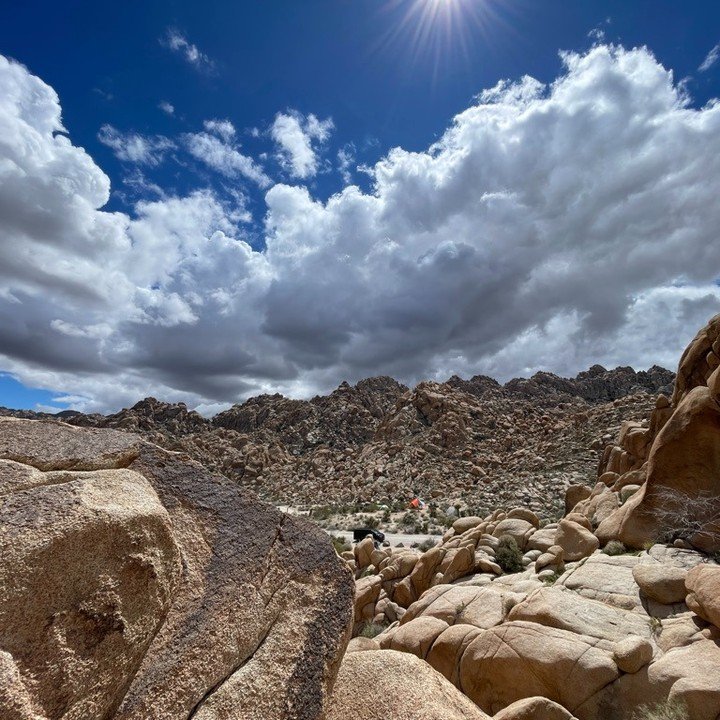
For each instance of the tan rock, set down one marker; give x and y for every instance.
(516, 528)
(556, 664)
(579, 519)
(607, 579)
(535, 708)
(258, 619)
(687, 675)
(524, 514)
(466, 523)
(660, 582)
(632, 654)
(542, 539)
(88, 568)
(449, 647)
(683, 465)
(418, 635)
(576, 541)
(47, 445)
(362, 644)
(560, 608)
(703, 592)
(390, 685)
(575, 494)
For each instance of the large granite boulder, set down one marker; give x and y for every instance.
(390, 685)
(135, 584)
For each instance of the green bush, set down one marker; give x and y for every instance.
(371, 629)
(340, 544)
(426, 545)
(508, 555)
(614, 547)
(668, 710)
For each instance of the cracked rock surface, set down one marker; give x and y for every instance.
(135, 584)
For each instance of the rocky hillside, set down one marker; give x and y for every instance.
(136, 584)
(473, 441)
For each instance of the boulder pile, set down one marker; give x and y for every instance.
(472, 441)
(613, 608)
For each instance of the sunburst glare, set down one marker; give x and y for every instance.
(439, 30)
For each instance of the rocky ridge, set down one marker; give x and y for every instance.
(136, 584)
(470, 440)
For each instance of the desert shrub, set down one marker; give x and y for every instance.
(684, 515)
(668, 710)
(340, 544)
(551, 579)
(508, 555)
(426, 545)
(369, 521)
(614, 547)
(321, 513)
(371, 629)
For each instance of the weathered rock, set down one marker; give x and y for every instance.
(536, 708)
(389, 685)
(88, 568)
(607, 579)
(576, 541)
(682, 490)
(418, 635)
(703, 592)
(632, 654)
(256, 623)
(556, 664)
(560, 608)
(660, 582)
(518, 529)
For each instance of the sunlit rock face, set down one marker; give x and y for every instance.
(136, 584)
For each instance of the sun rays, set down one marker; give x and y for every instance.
(439, 29)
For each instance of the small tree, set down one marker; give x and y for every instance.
(508, 555)
(684, 515)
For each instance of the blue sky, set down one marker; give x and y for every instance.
(349, 80)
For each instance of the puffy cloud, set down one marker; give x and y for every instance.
(346, 160)
(166, 107)
(710, 59)
(215, 147)
(550, 227)
(298, 137)
(135, 148)
(177, 42)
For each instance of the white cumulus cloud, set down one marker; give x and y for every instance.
(550, 227)
(135, 148)
(215, 147)
(298, 138)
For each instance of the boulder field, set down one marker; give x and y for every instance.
(135, 583)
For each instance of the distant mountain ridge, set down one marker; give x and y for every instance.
(473, 439)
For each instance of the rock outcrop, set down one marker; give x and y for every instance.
(135, 584)
(474, 441)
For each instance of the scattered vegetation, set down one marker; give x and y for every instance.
(615, 547)
(508, 555)
(340, 544)
(426, 545)
(668, 710)
(655, 625)
(371, 629)
(551, 579)
(687, 515)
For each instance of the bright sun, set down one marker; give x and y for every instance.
(441, 28)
